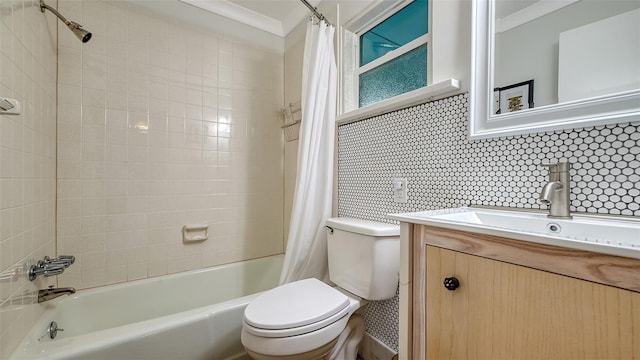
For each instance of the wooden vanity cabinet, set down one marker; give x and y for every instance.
(518, 300)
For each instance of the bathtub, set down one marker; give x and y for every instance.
(187, 316)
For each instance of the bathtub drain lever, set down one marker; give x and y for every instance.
(53, 329)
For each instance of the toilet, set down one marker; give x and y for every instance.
(308, 319)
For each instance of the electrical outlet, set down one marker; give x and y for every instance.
(399, 186)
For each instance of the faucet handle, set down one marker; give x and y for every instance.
(64, 260)
(70, 258)
(553, 167)
(557, 167)
(45, 269)
(52, 270)
(50, 267)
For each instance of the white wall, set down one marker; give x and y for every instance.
(451, 50)
(161, 125)
(27, 162)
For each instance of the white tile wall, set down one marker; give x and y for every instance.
(27, 161)
(294, 53)
(162, 125)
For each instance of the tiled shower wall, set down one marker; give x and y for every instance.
(162, 125)
(428, 144)
(27, 161)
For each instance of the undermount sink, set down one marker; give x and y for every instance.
(601, 234)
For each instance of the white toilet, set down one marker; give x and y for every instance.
(309, 319)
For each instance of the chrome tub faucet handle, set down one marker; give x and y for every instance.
(50, 267)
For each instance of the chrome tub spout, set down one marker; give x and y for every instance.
(52, 293)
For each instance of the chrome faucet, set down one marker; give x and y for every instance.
(50, 267)
(52, 293)
(555, 193)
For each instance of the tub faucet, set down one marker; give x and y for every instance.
(555, 193)
(52, 293)
(50, 267)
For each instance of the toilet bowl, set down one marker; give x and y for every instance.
(297, 318)
(308, 319)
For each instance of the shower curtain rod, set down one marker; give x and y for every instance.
(315, 12)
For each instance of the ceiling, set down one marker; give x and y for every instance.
(277, 17)
(508, 7)
(512, 13)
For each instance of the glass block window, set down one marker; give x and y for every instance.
(393, 54)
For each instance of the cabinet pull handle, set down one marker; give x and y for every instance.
(451, 283)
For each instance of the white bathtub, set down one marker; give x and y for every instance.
(187, 316)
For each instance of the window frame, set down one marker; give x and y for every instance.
(391, 10)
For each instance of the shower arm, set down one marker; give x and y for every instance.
(76, 28)
(44, 6)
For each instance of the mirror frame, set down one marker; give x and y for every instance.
(603, 110)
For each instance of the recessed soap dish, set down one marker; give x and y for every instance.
(9, 106)
(192, 233)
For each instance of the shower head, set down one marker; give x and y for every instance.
(81, 33)
(76, 28)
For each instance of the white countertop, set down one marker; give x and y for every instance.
(600, 234)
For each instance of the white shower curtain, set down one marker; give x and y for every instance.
(306, 254)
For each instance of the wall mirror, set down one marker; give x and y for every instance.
(544, 65)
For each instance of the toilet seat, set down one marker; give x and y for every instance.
(293, 345)
(295, 308)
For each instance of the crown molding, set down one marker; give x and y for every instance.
(238, 13)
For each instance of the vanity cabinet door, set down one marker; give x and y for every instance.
(505, 311)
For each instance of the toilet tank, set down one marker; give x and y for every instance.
(364, 256)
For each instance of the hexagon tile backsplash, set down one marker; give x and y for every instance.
(428, 144)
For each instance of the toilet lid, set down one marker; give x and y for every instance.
(294, 305)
